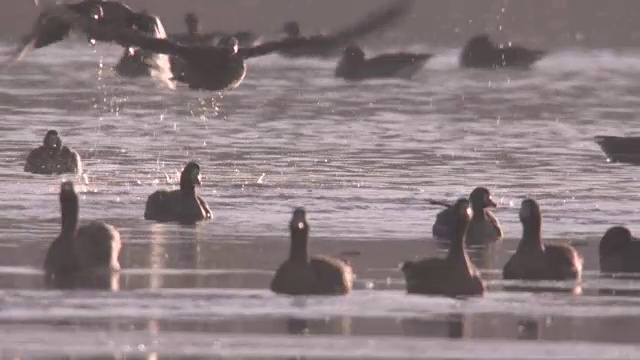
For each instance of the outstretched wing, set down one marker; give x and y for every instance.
(47, 30)
(271, 46)
(375, 21)
(119, 34)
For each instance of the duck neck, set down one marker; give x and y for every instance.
(531, 230)
(69, 210)
(478, 212)
(299, 242)
(457, 249)
(187, 188)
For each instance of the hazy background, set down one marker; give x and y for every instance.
(545, 23)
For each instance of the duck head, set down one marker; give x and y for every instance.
(615, 240)
(299, 224)
(354, 53)
(52, 140)
(191, 20)
(230, 43)
(292, 29)
(190, 175)
(479, 42)
(481, 198)
(463, 212)
(68, 208)
(529, 211)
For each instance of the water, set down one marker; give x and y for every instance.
(363, 159)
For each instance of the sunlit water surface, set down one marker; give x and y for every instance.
(363, 158)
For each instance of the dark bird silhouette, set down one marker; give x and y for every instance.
(206, 67)
(53, 25)
(80, 252)
(332, 45)
(619, 251)
(182, 205)
(52, 157)
(355, 66)
(480, 52)
(535, 260)
(484, 227)
(302, 274)
(620, 149)
(454, 275)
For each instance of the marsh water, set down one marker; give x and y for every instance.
(364, 159)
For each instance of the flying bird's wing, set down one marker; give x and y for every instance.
(375, 21)
(271, 46)
(48, 29)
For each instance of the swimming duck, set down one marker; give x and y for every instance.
(78, 251)
(207, 67)
(332, 45)
(302, 274)
(454, 275)
(484, 227)
(52, 157)
(182, 205)
(355, 66)
(620, 149)
(619, 251)
(50, 27)
(535, 260)
(480, 52)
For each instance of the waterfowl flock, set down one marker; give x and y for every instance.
(217, 61)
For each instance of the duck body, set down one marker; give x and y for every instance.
(302, 274)
(354, 65)
(80, 252)
(483, 227)
(619, 251)
(182, 205)
(620, 149)
(332, 45)
(535, 260)
(454, 275)
(479, 52)
(53, 158)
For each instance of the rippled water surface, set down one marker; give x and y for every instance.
(363, 158)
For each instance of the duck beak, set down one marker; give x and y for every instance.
(197, 180)
(491, 203)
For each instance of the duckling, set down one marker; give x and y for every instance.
(454, 275)
(480, 52)
(182, 205)
(78, 251)
(619, 251)
(535, 260)
(354, 65)
(305, 275)
(52, 157)
(484, 227)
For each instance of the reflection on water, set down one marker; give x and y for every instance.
(362, 158)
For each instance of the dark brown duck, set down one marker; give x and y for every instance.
(454, 275)
(302, 274)
(52, 157)
(535, 260)
(619, 251)
(484, 226)
(355, 66)
(480, 52)
(182, 205)
(80, 252)
(620, 149)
